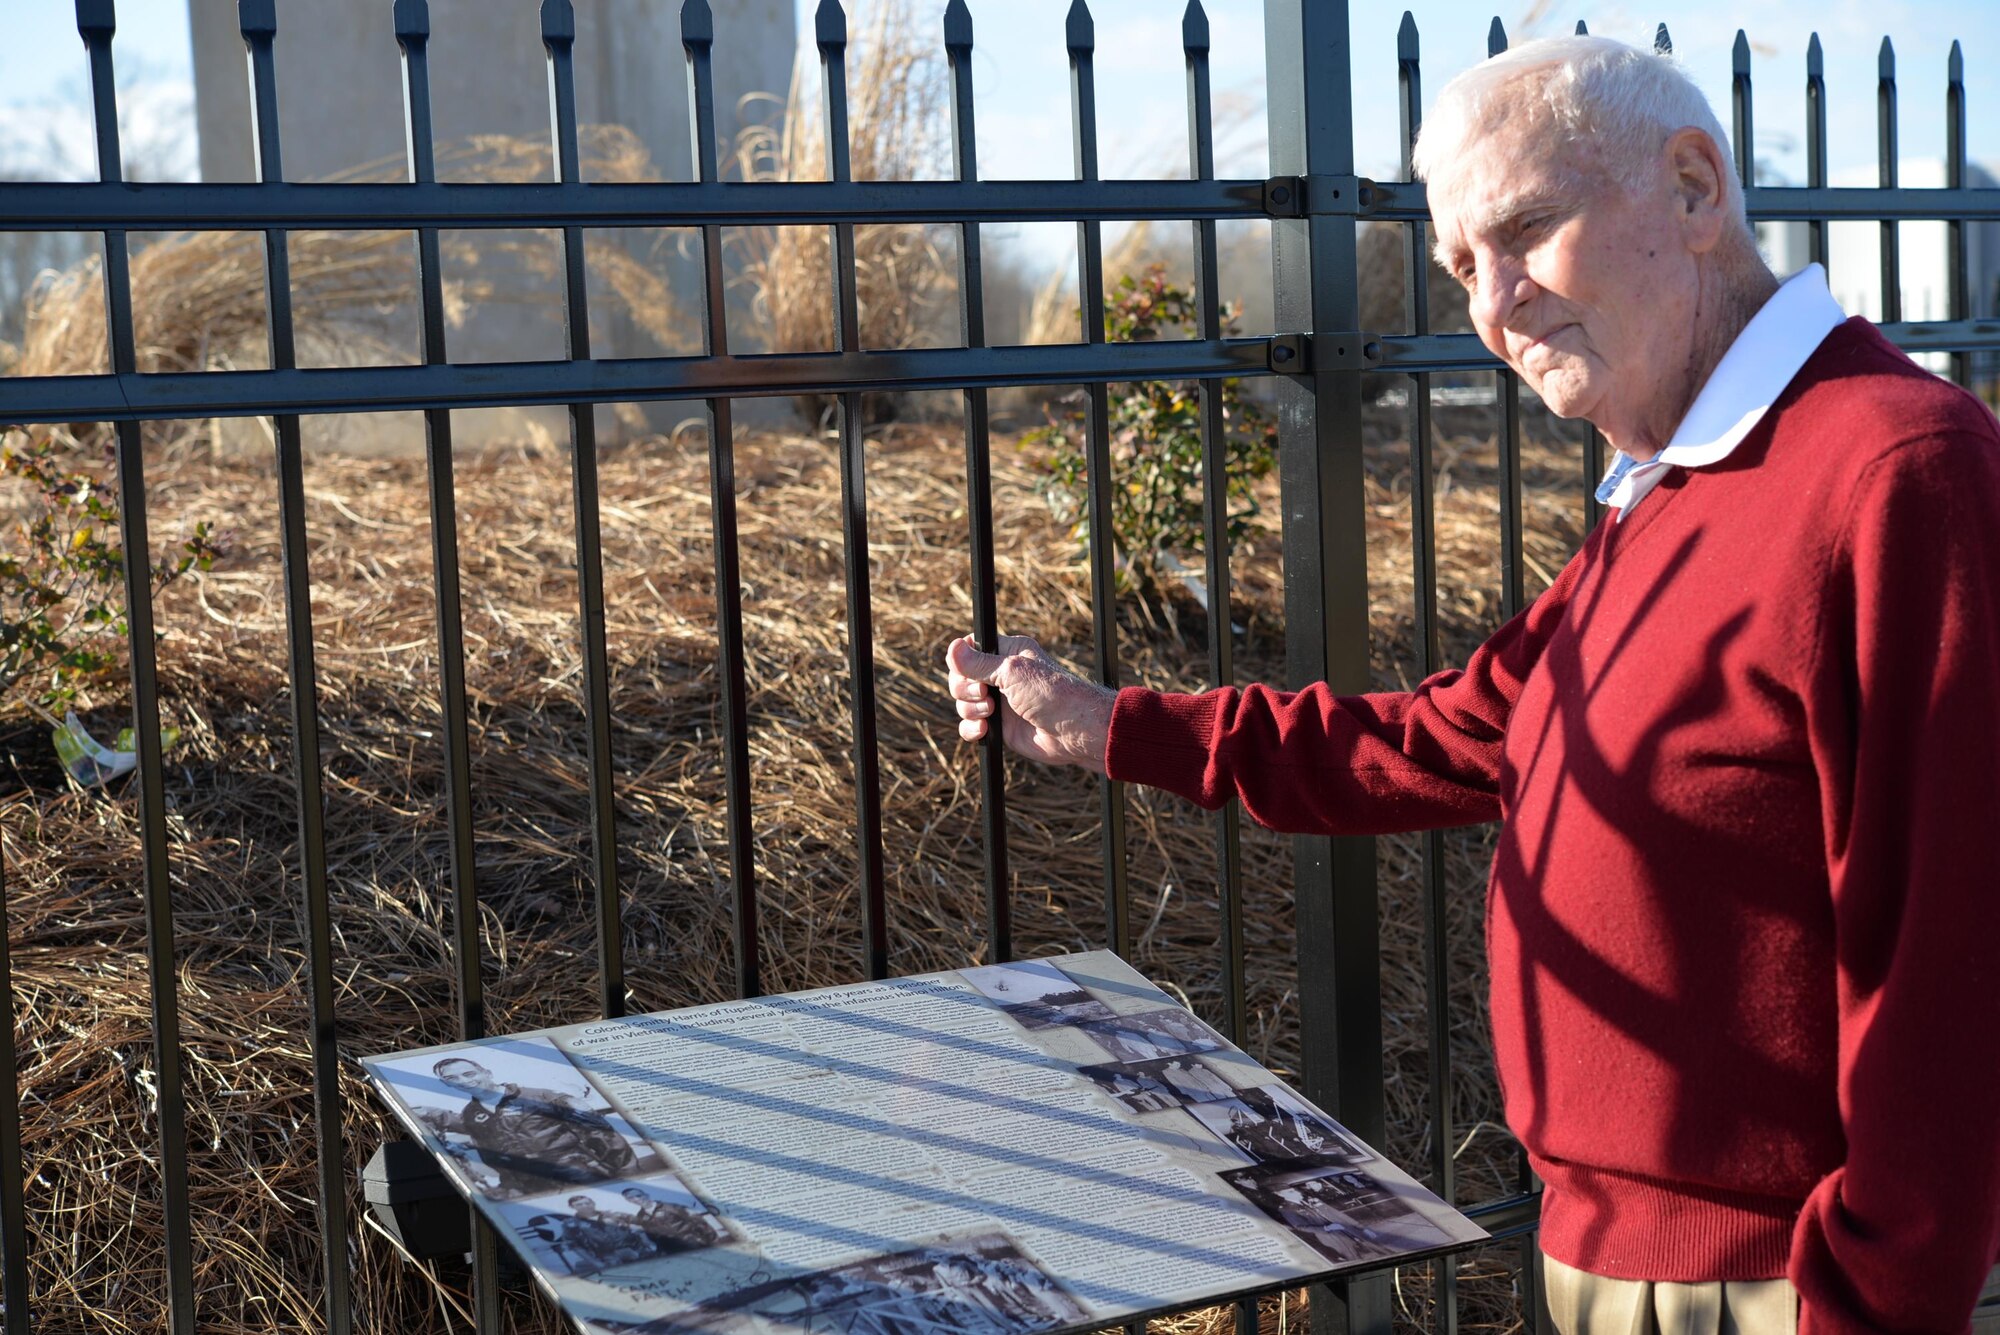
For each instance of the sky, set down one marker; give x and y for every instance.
(1020, 73)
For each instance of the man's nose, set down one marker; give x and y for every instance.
(1503, 287)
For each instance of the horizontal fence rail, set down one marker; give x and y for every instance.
(135, 397)
(145, 206)
(1315, 366)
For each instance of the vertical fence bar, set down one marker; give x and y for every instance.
(1080, 35)
(13, 1206)
(1215, 538)
(1423, 565)
(1886, 168)
(413, 30)
(1958, 278)
(979, 485)
(1308, 73)
(559, 40)
(258, 21)
(1593, 439)
(1815, 143)
(830, 31)
(413, 35)
(1507, 389)
(697, 43)
(1215, 507)
(1512, 595)
(96, 20)
(1742, 129)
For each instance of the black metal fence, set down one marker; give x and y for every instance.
(1315, 202)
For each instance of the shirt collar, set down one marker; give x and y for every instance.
(1755, 370)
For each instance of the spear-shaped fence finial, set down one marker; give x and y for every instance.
(830, 24)
(1496, 38)
(1739, 55)
(413, 20)
(1194, 27)
(1079, 30)
(257, 18)
(1663, 42)
(697, 23)
(1815, 59)
(558, 22)
(957, 26)
(1406, 37)
(96, 16)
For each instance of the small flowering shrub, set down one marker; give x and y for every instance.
(1156, 455)
(62, 578)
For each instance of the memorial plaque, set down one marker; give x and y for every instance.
(1049, 1145)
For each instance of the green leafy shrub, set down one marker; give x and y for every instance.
(62, 583)
(1156, 455)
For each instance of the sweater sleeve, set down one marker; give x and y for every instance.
(1905, 726)
(1313, 762)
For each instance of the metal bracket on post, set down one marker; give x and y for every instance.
(1287, 354)
(1316, 196)
(1284, 196)
(1345, 350)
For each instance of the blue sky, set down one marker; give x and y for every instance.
(1022, 80)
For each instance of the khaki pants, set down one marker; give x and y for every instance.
(1585, 1304)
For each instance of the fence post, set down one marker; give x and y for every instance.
(1313, 259)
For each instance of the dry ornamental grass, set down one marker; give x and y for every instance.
(73, 869)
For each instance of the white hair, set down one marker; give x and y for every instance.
(1622, 102)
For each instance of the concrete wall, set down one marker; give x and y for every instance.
(341, 106)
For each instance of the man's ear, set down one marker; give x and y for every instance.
(1701, 181)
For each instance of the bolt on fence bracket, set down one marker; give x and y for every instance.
(1344, 350)
(1287, 354)
(1312, 196)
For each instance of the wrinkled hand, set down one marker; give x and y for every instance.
(1051, 715)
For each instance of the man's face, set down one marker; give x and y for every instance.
(470, 1077)
(585, 1207)
(1589, 290)
(634, 1195)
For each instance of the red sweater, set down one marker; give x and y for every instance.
(1744, 912)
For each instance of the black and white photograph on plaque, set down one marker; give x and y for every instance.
(1165, 1082)
(982, 1285)
(579, 1232)
(1342, 1213)
(1271, 1124)
(518, 1117)
(672, 1216)
(1151, 1035)
(1037, 994)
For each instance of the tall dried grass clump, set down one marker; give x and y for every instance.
(199, 300)
(898, 91)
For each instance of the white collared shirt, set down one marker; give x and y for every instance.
(1745, 383)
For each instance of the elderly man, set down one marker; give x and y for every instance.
(1745, 1008)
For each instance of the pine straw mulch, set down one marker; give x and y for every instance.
(73, 869)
